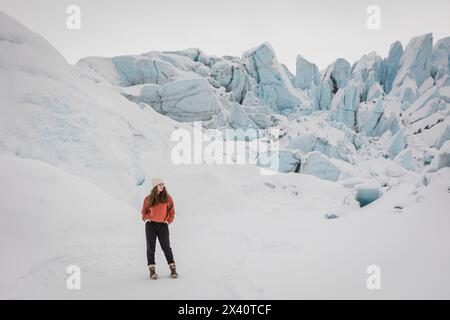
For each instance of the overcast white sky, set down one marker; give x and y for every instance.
(320, 30)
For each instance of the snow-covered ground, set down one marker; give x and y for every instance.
(228, 240)
(77, 153)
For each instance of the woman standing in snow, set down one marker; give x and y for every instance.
(157, 213)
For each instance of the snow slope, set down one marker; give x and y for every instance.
(77, 156)
(50, 112)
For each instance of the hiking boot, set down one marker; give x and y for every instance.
(173, 271)
(152, 269)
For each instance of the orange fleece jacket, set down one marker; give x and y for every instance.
(160, 213)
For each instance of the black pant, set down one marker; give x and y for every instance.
(161, 230)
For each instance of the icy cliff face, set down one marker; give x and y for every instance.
(416, 60)
(307, 74)
(392, 64)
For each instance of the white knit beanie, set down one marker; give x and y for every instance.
(156, 181)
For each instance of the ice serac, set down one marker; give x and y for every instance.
(440, 60)
(369, 117)
(249, 114)
(363, 84)
(373, 118)
(238, 118)
(324, 95)
(445, 136)
(134, 70)
(320, 166)
(289, 74)
(444, 93)
(407, 92)
(414, 111)
(287, 161)
(405, 159)
(416, 60)
(344, 106)
(334, 140)
(398, 144)
(274, 88)
(152, 67)
(442, 158)
(339, 73)
(183, 63)
(426, 85)
(375, 92)
(260, 115)
(335, 77)
(392, 63)
(182, 100)
(367, 72)
(192, 53)
(233, 77)
(307, 74)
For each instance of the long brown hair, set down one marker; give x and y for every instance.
(156, 198)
